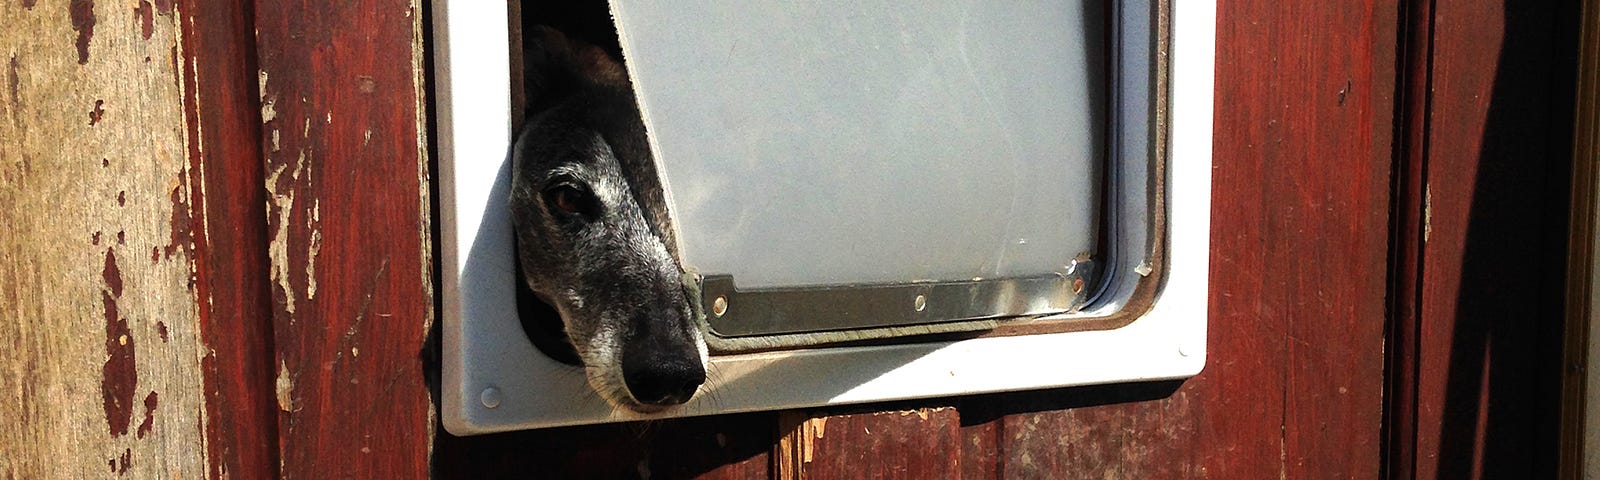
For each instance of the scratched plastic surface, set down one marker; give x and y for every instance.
(879, 143)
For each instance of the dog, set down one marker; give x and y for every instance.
(593, 236)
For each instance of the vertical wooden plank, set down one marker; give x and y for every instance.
(1303, 155)
(1334, 305)
(224, 128)
(100, 341)
(921, 443)
(348, 235)
(1498, 166)
(980, 439)
(1461, 70)
(1578, 420)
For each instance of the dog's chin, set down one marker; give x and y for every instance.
(637, 407)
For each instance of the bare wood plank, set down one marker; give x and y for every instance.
(229, 234)
(921, 443)
(348, 235)
(101, 330)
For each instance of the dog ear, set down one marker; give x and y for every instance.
(555, 66)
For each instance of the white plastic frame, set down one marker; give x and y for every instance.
(498, 381)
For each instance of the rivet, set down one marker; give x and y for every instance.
(1077, 285)
(921, 302)
(490, 397)
(719, 306)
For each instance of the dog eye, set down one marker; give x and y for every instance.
(569, 199)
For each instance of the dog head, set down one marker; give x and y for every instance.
(593, 236)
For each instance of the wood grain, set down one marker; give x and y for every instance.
(100, 340)
(348, 223)
(921, 443)
(1494, 239)
(229, 234)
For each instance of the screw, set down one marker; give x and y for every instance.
(490, 397)
(921, 302)
(719, 306)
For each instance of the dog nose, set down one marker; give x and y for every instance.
(661, 380)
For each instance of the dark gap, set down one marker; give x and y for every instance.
(1398, 430)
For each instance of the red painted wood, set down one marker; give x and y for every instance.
(1491, 297)
(919, 443)
(980, 440)
(348, 235)
(1085, 440)
(1300, 206)
(1334, 312)
(228, 235)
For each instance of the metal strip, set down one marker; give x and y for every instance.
(731, 312)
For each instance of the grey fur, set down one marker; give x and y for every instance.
(610, 270)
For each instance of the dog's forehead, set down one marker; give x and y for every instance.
(557, 149)
(581, 155)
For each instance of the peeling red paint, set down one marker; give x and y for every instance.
(164, 7)
(95, 238)
(146, 18)
(149, 415)
(182, 227)
(122, 198)
(14, 84)
(112, 274)
(82, 14)
(105, 163)
(118, 376)
(127, 461)
(28, 4)
(161, 328)
(98, 113)
(177, 74)
(122, 237)
(155, 255)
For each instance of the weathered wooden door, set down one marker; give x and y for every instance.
(216, 260)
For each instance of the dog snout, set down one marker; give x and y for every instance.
(662, 371)
(670, 382)
(663, 380)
